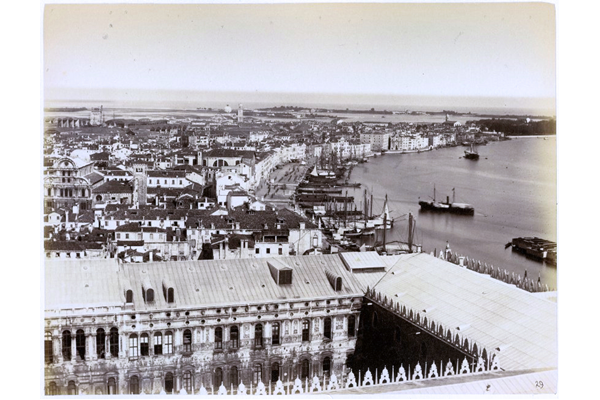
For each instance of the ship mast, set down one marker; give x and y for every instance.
(410, 232)
(384, 225)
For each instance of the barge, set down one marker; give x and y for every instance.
(536, 248)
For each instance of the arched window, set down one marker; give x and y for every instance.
(305, 330)
(338, 284)
(80, 343)
(374, 319)
(112, 386)
(170, 295)
(218, 338)
(52, 389)
(144, 344)
(233, 376)
(66, 345)
(169, 383)
(305, 369)
(114, 342)
(129, 296)
(157, 343)
(149, 295)
(48, 347)
(275, 334)
(168, 342)
(133, 346)
(257, 373)
(187, 381)
(326, 366)
(100, 343)
(258, 335)
(134, 385)
(187, 340)
(234, 337)
(218, 377)
(327, 328)
(71, 388)
(351, 326)
(274, 372)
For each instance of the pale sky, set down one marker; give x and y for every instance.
(459, 50)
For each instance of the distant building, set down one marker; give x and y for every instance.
(240, 116)
(96, 116)
(378, 140)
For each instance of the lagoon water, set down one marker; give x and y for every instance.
(512, 187)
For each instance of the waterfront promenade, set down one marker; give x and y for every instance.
(281, 184)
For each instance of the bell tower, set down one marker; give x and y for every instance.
(240, 113)
(140, 184)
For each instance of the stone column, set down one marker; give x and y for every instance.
(151, 344)
(90, 353)
(107, 354)
(56, 349)
(73, 347)
(177, 340)
(123, 345)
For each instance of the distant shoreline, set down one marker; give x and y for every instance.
(531, 136)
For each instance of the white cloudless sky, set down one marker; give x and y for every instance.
(489, 50)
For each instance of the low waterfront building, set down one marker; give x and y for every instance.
(378, 140)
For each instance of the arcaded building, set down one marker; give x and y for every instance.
(113, 328)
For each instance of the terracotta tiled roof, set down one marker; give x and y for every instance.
(94, 177)
(135, 227)
(70, 245)
(114, 187)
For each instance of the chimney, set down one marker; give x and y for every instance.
(302, 225)
(461, 261)
(151, 256)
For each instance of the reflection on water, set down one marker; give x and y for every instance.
(512, 187)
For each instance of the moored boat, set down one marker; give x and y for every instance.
(471, 154)
(447, 206)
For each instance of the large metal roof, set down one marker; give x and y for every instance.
(82, 283)
(196, 283)
(517, 325)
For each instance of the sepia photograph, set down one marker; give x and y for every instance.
(299, 199)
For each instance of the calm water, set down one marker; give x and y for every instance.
(512, 187)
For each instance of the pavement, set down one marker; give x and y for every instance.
(281, 183)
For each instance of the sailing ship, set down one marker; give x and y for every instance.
(471, 154)
(400, 247)
(447, 206)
